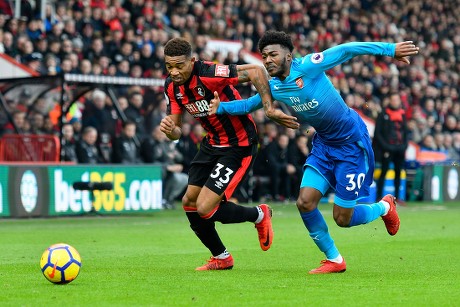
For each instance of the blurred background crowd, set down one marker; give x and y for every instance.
(126, 38)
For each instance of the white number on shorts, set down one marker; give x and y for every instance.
(352, 184)
(225, 178)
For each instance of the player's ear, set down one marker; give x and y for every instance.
(288, 56)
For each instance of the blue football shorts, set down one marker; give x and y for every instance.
(348, 169)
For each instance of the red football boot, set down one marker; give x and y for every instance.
(391, 219)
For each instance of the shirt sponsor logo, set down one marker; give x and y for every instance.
(199, 108)
(299, 82)
(222, 70)
(317, 58)
(309, 105)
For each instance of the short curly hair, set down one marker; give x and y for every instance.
(276, 38)
(177, 47)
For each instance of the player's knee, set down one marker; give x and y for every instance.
(341, 220)
(201, 211)
(188, 202)
(306, 204)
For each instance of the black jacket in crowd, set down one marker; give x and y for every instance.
(391, 132)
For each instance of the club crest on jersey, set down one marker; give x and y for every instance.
(317, 58)
(200, 90)
(299, 82)
(222, 70)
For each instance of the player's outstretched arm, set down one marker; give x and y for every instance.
(234, 107)
(404, 50)
(259, 78)
(245, 106)
(318, 63)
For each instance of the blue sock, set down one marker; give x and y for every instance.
(317, 227)
(363, 214)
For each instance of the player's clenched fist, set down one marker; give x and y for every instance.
(168, 127)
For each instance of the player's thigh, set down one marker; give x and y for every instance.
(353, 173)
(231, 167)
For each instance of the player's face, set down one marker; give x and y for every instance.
(179, 68)
(277, 60)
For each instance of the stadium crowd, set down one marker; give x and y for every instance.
(126, 38)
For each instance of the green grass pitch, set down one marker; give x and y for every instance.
(149, 260)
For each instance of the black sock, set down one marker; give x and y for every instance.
(205, 230)
(231, 213)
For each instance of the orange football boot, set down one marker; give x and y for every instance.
(330, 267)
(264, 228)
(391, 219)
(217, 264)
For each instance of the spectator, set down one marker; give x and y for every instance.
(390, 142)
(33, 61)
(86, 149)
(189, 142)
(297, 155)
(428, 143)
(281, 171)
(68, 144)
(98, 115)
(18, 125)
(456, 142)
(105, 147)
(439, 141)
(77, 128)
(96, 51)
(155, 117)
(452, 153)
(135, 113)
(125, 149)
(37, 123)
(159, 149)
(9, 46)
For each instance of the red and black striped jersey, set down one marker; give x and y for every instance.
(194, 97)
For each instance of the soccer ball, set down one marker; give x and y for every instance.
(60, 263)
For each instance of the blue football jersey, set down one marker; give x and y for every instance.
(311, 94)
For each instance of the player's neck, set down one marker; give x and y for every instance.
(285, 74)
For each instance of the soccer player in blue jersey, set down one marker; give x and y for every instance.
(342, 156)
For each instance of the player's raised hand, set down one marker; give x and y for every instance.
(214, 104)
(404, 50)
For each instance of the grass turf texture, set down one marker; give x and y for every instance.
(149, 260)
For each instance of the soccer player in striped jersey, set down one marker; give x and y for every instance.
(342, 158)
(227, 151)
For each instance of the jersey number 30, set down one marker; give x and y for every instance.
(352, 183)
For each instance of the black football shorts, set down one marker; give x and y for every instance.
(221, 169)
